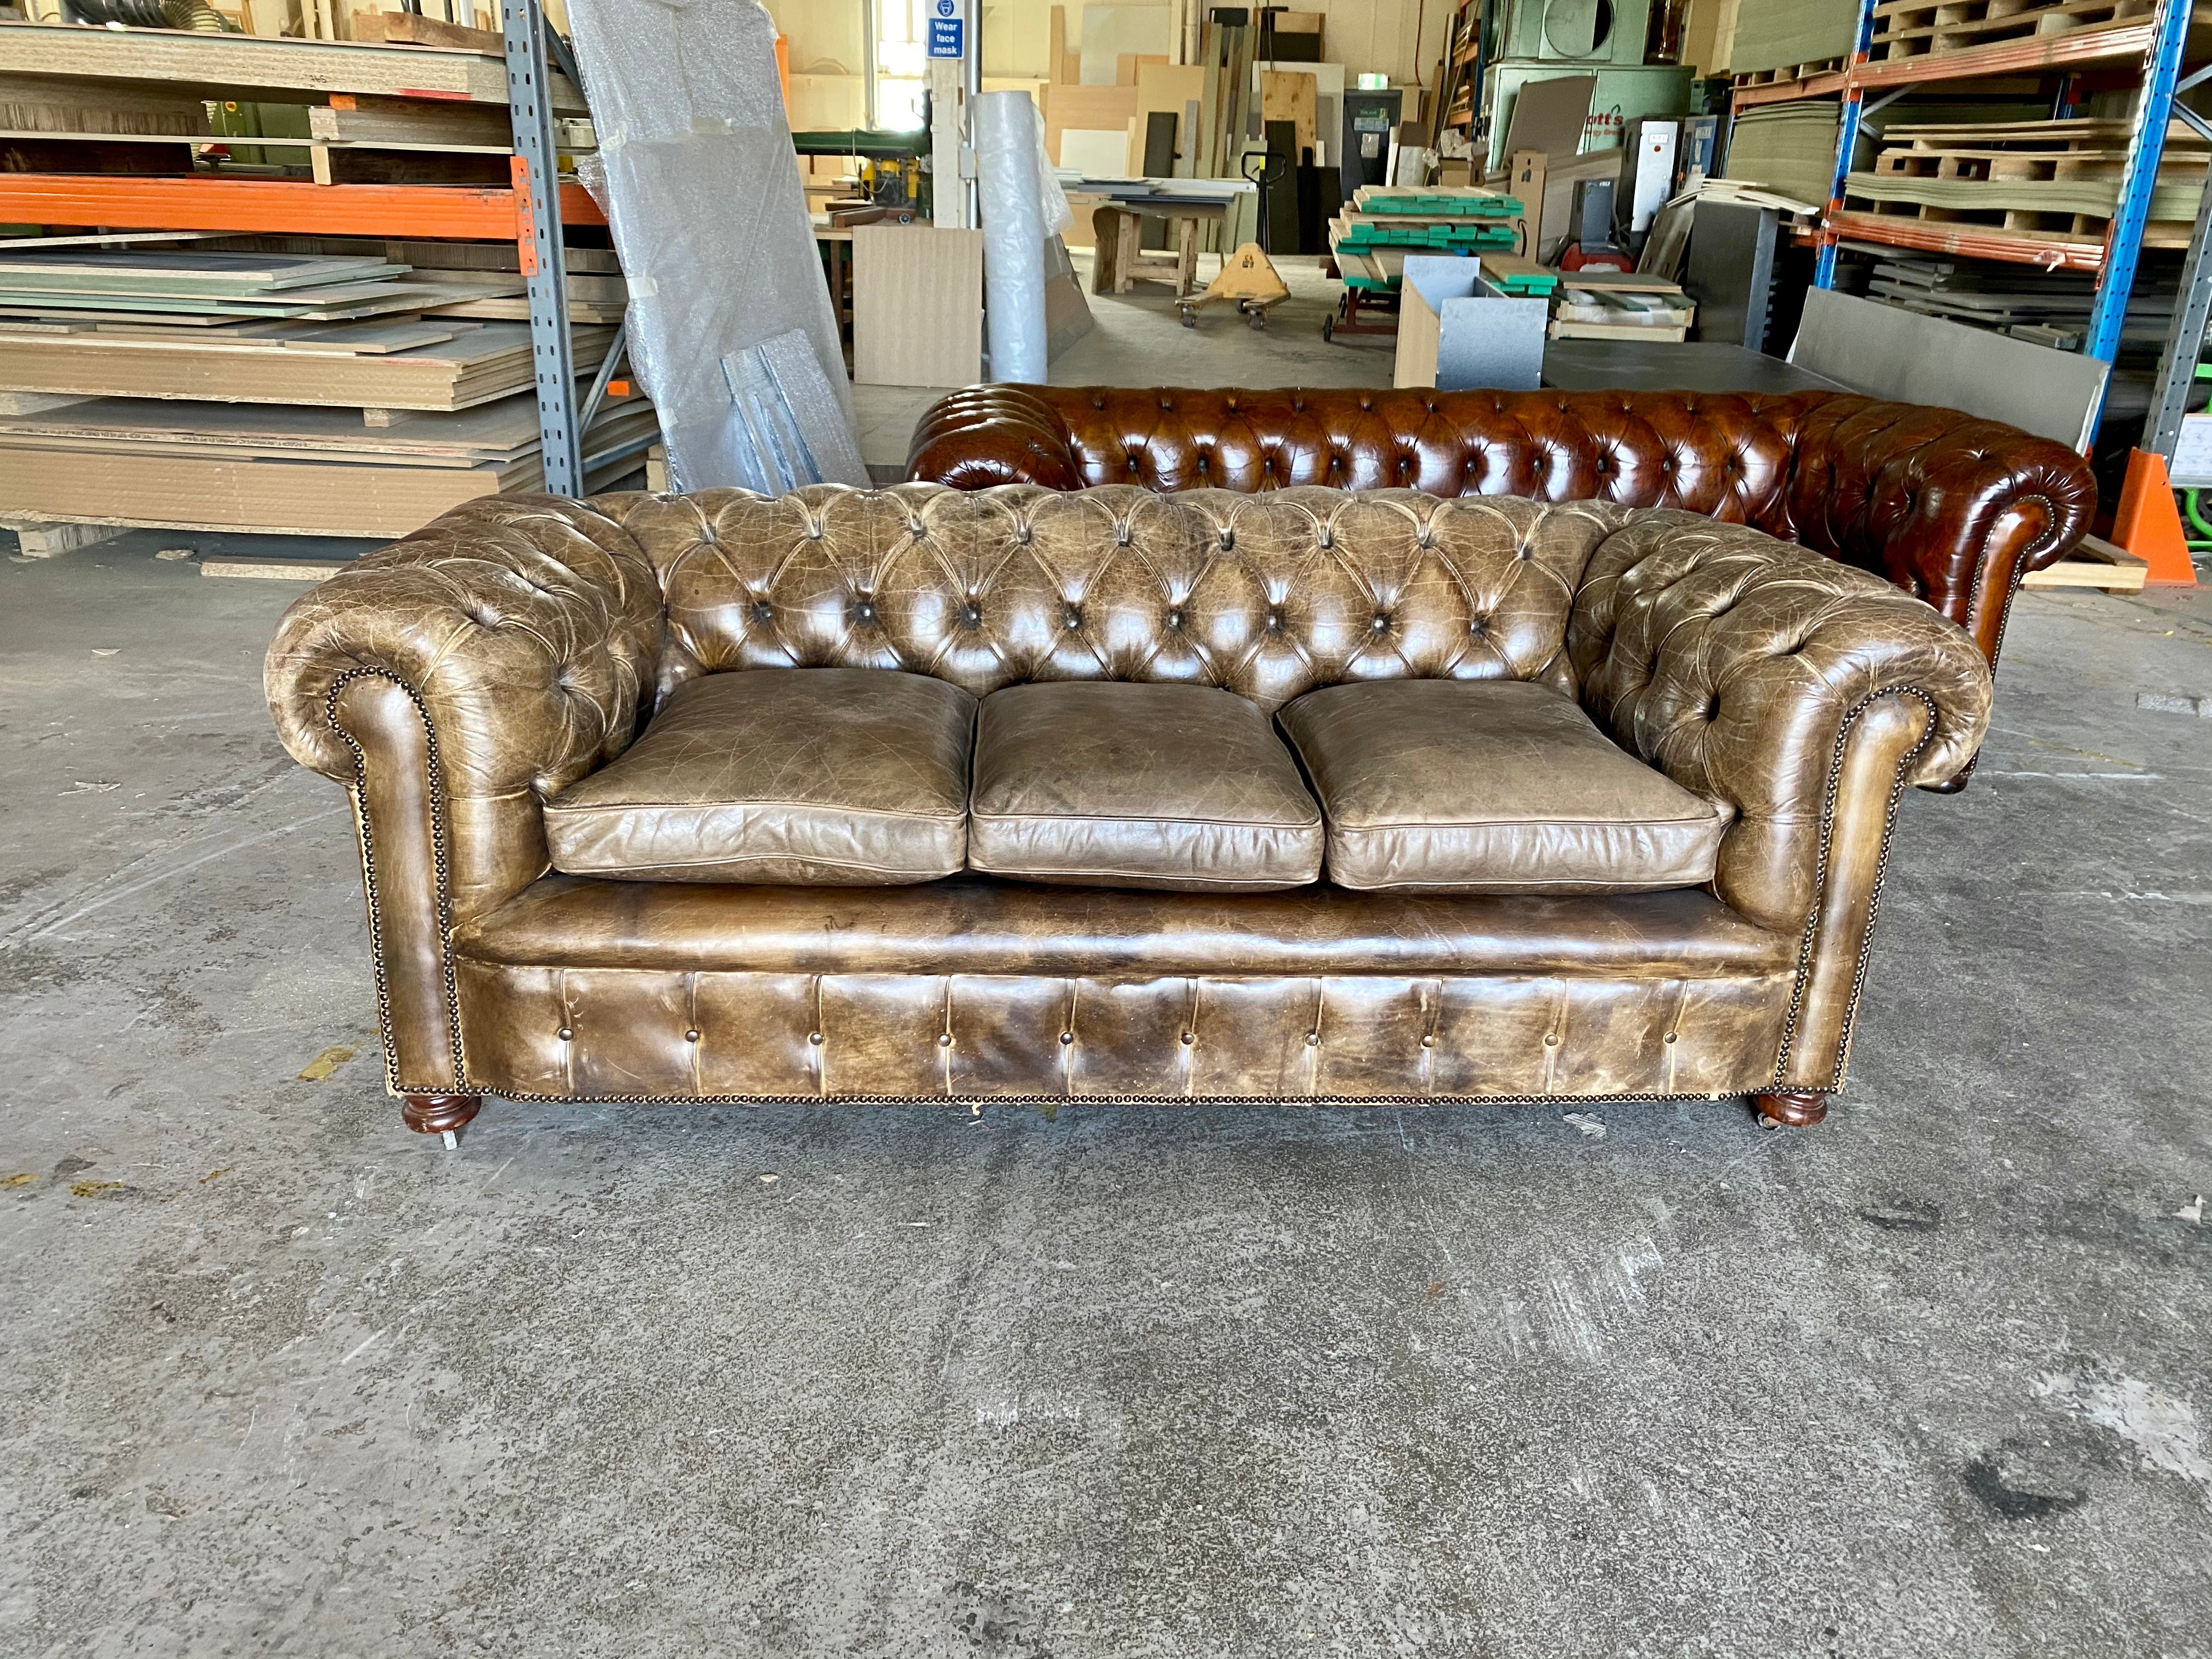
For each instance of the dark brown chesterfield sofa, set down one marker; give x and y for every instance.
(1024, 795)
(1953, 509)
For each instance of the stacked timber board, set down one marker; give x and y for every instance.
(1371, 238)
(2054, 180)
(331, 386)
(2049, 308)
(284, 469)
(1790, 148)
(1784, 40)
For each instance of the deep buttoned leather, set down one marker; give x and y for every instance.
(1491, 787)
(829, 776)
(1116, 785)
(1951, 508)
(518, 643)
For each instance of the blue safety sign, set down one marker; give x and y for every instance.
(948, 28)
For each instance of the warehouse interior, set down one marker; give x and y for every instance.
(459, 1205)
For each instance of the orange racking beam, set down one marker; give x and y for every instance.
(275, 206)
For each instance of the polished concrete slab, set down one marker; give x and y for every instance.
(280, 1377)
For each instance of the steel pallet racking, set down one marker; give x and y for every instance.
(530, 213)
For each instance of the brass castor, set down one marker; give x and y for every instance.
(439, 1115)
(1801, 1109)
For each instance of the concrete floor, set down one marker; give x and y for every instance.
(280, 1378)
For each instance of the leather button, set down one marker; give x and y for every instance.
(1190, 1037)
(1071, 619)
(764, 613)
(1067, 1037)
(1175, 619)
(865, 611)
(1381, 624)
(1429, 1040)
(1313, 1039)
(944, 1039)
(1228, 539)
(971, 614)
(691, 1036)
(814, 1037)
(1551, 1039)
(1670, 1037)
(566, 1034)
(1274, 622)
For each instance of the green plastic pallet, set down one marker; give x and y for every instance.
(1444, 207)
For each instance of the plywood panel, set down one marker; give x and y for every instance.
(917, 306)
(1288, 96)
(1093, 109)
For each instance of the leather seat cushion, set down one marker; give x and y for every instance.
(833, 777)
(1111, 784)
(1491, 786)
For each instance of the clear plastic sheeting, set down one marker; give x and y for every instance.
(1011, 196)
(710, 220)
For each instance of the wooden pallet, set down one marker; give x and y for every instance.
(1783, 73)
(1912, 29)
(2011, 216)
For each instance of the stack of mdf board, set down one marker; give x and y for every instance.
(294, 470)
(189, 286)
(1371, 238)
(378, 367)
(1776, 38)
(1790, 148)
(2049, 180)
(2048, 307)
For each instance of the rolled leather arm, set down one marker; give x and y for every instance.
(1800, 693)
(452, 682)
(1953, 509)
(993, 434)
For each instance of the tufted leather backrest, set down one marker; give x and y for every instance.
(1727, 457)
(1268, 596)
(1948, 508)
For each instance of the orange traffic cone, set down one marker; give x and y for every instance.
(2147, 523)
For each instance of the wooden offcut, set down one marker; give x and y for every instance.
(917, 306)
(263, 68)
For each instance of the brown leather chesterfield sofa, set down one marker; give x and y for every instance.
(1953, 509)
(1026, 795)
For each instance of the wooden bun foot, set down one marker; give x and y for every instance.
(438, 1115)
(1801, 1109)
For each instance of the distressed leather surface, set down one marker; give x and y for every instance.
(522, 641)
(832, 776)
(629, 1034)
(1120, 784)
(980, 925)
(1737, 666)
(1491, 786)
(1951, 508)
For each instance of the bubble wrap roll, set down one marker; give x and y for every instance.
(1013, 198)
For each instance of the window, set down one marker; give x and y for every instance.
(902, 63)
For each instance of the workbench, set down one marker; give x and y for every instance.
(1118, 260)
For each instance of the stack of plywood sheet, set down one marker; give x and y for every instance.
(284, 469)
(348, 386)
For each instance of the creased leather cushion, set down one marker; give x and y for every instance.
(836, 777)
(1138, 785)
(1491, 786)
